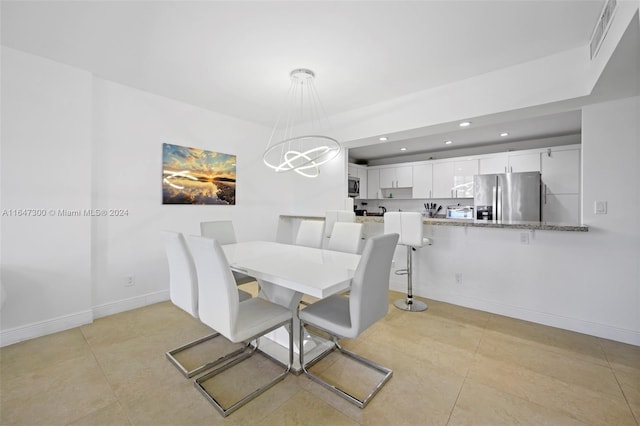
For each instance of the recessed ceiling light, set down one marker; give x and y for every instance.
(403, 149)
(384, 138)
(503, 134)
(448, 142)
(465, 124)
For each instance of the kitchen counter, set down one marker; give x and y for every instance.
(544, 226)
(534, 226)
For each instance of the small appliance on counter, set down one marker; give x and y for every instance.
(459, 212)
(360, 211)
(484, 212)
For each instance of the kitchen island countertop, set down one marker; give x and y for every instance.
(543, 226)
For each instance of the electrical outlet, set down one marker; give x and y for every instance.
(458, 277)
(129, 281)
(600, 207)
(524, 238)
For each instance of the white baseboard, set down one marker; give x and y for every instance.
(42, 328)
(572, 324)
(129, 304)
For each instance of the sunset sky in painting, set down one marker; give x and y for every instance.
(199, 162)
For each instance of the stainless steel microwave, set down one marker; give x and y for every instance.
(354, 187)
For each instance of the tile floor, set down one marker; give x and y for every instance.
(452, 366)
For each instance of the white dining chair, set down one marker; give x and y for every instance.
(348, 317)
(221, 309)
(224, 233)
(310, 233)
(411, 230)
(183, 292)
(346, 237)
(332, 217)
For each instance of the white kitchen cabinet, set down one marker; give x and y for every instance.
(396, 177)
(561, 208)
(352, 170)
(363, 176)
(494, 164)
(463, 173)
(509, 163)
(561, 171)
(454, 179)
(422, 181)
(443, 180)
(388, 177)
(373, 183)
(529, 162)
(404, 177)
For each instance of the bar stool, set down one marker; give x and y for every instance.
(411, 230)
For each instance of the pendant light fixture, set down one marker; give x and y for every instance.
(299, 140)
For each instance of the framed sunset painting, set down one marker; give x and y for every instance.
(197, 176)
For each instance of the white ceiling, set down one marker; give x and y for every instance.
(235, 57)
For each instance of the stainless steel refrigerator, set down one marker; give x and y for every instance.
(507, 197)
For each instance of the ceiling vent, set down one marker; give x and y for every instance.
(604, 22)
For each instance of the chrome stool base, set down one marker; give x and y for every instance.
(410, 305)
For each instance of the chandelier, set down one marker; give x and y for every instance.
(298, 141)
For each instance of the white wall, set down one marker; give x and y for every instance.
(610, 156)
(46, 163)
(129, 128)
(74, 141)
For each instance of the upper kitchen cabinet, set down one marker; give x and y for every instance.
(396, 177)
(561, 170)
(511, 162)
(454, 179)
(464, 171)
(443, 179)
(373, 183)
(422, 181)
(529, 162)
(364, 179)
(493, 164)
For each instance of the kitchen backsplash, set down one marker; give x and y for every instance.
(409, 205)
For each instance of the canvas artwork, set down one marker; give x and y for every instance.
(197, 176)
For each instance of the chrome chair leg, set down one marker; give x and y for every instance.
(361, 403)
(199, 382)
(190, 373)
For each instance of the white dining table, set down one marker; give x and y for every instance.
(285, 273)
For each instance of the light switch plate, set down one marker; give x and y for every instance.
(600, 207)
